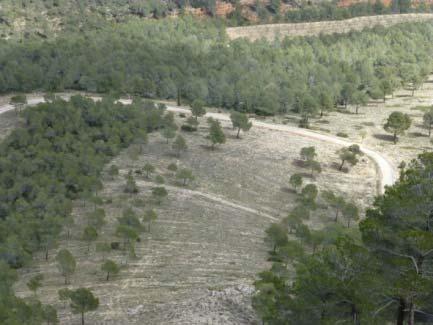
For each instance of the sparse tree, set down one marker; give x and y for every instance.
(127, 233)
(179, 145)
(64, 294)
(197, 108)
(103, 248)
(397, 124)
(89, 235)
(66, 264)
(428, 120)
(185, 175)
(18, 102)
(350, 212)
(172, 167)
(240, 121)
(350, 155)
(308, 153)
(309, 193)
(148, 217)
(216, 134)
(296, 181)
(49, 315)
(35, 283)
(334, 201)
(326, 102)
(83, 301)
(110, 267)
(131, 186)
(148, 169)
(159, 193)
(168, 133)
(314, 167)
(276, 235)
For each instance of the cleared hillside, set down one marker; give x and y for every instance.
(271, 31)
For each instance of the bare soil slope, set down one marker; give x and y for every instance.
(272, 31)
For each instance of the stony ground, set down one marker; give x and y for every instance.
(199, 261)
(197, 264)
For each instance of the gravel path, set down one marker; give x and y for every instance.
(387, 172)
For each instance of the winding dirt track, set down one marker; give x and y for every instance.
(387, 172)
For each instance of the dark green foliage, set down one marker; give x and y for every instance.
(216, 134)
(35, 282)
(111, 268)
(381, 277)
(82, 301)
(159, 193)
(240, 122)
(397, 124)
(130, 186)
(171, 59)
(350, 155)
(56, 157)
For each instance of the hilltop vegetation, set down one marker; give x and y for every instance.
(189, 60)
(49, 18)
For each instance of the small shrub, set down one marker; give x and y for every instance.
(182, 115)
(342, 135)
(188, 128)
(159, 179)
(115, 245)
(138, 203)
(172, 167)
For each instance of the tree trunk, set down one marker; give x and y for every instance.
(356, 109)
(429, 131)
(411, 320)
(342, 164)
(46, 254)
(178, 97)
(336, 215)
(395, 137)
(82, 318)
(400, 312)
(108, 276)
(237, 135)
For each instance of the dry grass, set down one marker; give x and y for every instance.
(272, 31)
(199, 261)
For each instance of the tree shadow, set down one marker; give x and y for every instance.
(336, 166)
(299, 163)
(288, 190)
(384, 137)
(417, 135)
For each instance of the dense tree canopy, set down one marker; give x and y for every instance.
(194, 61)
(377, 276)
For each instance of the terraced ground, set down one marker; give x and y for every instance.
(272, 31)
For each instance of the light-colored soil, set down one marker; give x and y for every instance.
(370, 121)
(199, 261)
(272, 31)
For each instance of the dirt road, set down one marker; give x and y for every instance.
(387, 173)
